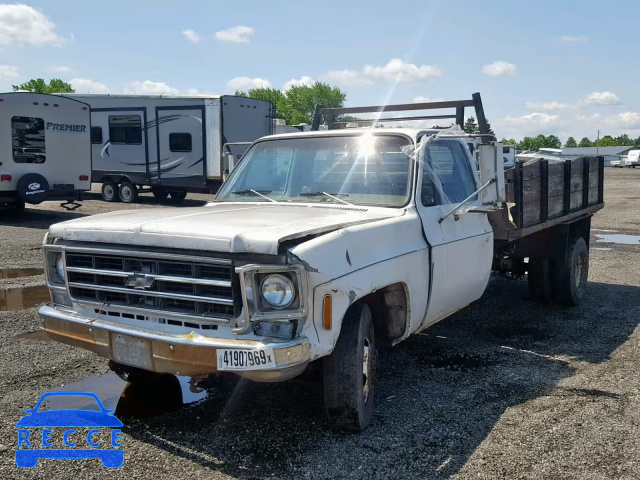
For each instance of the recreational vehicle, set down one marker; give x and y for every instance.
(46, 153)
(170, 145)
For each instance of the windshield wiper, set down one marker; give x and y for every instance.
(330, 195)
(255, 192)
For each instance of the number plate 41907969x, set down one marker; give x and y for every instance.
(236, 359)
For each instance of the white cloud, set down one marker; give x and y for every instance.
(84, 85)
(629, 119)
(239, 34)
(151, 88)
(347, 78)
(57, 69)
(246, 83)
(304, 80)
(397, 70)
(196, 92)
(191, 35)
(573, 39)
(548, 106)
(602, 98)
(24, 25)
(420, 99)
(499, 68)
(8, 72)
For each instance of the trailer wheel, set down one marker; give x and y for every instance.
(573, 273)
(349, 372)
(159, 193)
(539, 277)
(109, 191)
(178, 195)
(128, 192)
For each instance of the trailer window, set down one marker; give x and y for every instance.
(447, 161)
(180, 142)
(28, 143)
(125, 129)
(96, 135)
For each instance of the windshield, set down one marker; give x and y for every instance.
(362, 169)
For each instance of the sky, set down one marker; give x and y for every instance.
(542, 67)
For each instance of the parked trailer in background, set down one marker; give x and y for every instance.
(169, 145)
(45, 149)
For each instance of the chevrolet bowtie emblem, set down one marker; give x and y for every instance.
(139, 281)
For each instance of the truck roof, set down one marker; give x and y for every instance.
(411, 132)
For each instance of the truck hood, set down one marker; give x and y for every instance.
(217, 227)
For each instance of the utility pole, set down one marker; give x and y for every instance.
(598, 143)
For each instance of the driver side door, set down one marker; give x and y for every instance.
(461, 245)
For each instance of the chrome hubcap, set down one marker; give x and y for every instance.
(366, 368)
(108, 191)
(126, 193)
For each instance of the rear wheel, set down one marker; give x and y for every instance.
(160, 193)
(128, 192)
(178, 195)
(349, 372)
(573, 273)
(109, 191)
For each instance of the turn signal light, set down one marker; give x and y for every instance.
(5, 178)
(84, 178)
(326, 312)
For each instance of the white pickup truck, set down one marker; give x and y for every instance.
(320, 246)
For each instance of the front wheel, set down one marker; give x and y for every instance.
(349, 372)
(178, 196)
(109, 191)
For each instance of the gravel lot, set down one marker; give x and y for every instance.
(507, 388)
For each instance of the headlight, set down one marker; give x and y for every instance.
(277, 290)
(60, 267)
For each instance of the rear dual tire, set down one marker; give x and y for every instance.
(565, 280)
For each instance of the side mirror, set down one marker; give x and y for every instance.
(491, 168)
(228, 164)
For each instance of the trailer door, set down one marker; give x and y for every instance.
(181, 146)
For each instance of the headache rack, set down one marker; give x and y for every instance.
(331, 115)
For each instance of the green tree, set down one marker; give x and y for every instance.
(38, 85)
(606, 141)
(552, 142)
(571, 143)
(298, 104)
(489, 129)
(509, 141)
(470, 126)
(585, 142)
(623, 140)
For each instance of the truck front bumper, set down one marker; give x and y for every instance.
(162, 352)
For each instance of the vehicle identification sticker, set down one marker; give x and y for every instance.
(236, 359)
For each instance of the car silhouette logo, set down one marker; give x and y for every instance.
(27, 454)
(34, 186)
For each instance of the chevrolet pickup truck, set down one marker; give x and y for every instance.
(321, 246)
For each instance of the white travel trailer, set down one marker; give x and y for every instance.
(46, 153)
(169, 145)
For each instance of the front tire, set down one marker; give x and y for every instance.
(349, 372)
(128, 192)
(178, 196)
(109, 191)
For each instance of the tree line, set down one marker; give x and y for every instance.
(551, 141)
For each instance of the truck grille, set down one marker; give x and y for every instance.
(154, 284)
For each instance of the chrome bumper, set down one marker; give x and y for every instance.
(191, 354)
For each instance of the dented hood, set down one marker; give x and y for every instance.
(217, 227)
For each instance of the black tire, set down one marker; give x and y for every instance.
(539, 277)
(573, 273)
(109, 191)
(349, 372)
(32, 188)
(160, 193)
(178, 196)
(127, 192)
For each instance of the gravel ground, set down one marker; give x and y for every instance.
(507, 388)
